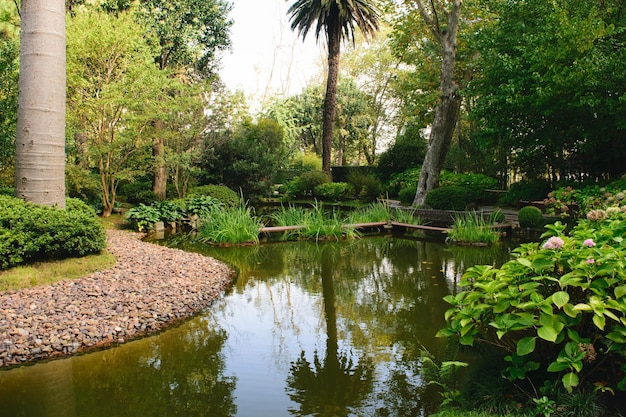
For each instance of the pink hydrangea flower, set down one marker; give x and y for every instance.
(591, 261)
(554, 242)
(589, 243)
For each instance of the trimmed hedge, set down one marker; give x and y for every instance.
(225, 195)
(333, 191)
(530, 216)
(31, 232)
(453, 197)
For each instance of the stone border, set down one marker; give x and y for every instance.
(149, 288)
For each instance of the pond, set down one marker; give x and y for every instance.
(321, 329)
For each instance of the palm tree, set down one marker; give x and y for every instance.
(338, 20)
(40, 136)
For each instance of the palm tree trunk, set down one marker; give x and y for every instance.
(40, 135)
(330, 100)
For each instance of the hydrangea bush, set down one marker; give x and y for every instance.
(558, 307)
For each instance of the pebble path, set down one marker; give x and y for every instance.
(149, 288)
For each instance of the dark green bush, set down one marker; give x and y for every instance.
(304, 184)
(530, 216)
(475, 185)
(333, 191)
(225, 195)
(448, 198)
(31, 232)
(400, 157)
(366, 187)
(526, 190)
(10, 191)
(406, 196)
(138, 192)
(406, 179)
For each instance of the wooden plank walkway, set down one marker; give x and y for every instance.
(279, 229)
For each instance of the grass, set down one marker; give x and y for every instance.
(46, 273)
(230, 226)
(376, 212)
(472, 228)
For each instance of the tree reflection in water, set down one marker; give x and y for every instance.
(334, 385)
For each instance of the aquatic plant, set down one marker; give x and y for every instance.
(472, 228)
(233, 226)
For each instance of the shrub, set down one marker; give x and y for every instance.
(406, 179)
(556, 307)
(530, 216)
(333, 191)
(225, 195)
(307, 161)
(201, 205)
(142, 217)
(406, 196)
(31, 232)
(526, 190)
(138, 192)
(401, 156)
(447, 198)
(366, 187)
(475, 185)
(304, 184)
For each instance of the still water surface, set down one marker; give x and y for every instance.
(329, 329)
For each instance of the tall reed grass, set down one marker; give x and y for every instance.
(472, 228)
(234, 226)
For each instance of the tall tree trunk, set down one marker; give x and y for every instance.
(159, 180)
(447, 111)
(330, 100)
(40, 135)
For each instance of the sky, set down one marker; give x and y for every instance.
(267, 57)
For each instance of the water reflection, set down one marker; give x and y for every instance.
(328, 329)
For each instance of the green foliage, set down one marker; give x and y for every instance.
(303, 185)
(9, 70)
(406, 179)
(317, 223)
(306, 161)
(333, 191)
(366, 186)
(138, 192)
(142, 218)
(475, 185)
(375, 212)
(230, 226)
(472, 228)
(402, 155)
(497, 216)
(530, 216)
(526, 190)
(247, 159)
(30, 232)
(225, 195)
(559, 305)
(202, 205)
(448, 198)
(406, 196)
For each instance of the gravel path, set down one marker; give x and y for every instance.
(149, 288)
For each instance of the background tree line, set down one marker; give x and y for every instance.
(540, 88)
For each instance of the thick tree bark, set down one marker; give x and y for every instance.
(446, 113)
(40, 135)
(330, 100)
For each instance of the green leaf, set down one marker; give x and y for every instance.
(599, 321)
(620, 291)
(526, 345)
(524, 261)
(570, 311)
(557, 366)
(547, 333)
(570, 380)
(560, 298)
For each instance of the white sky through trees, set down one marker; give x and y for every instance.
(267, 57)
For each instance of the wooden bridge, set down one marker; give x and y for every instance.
(387, 225)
